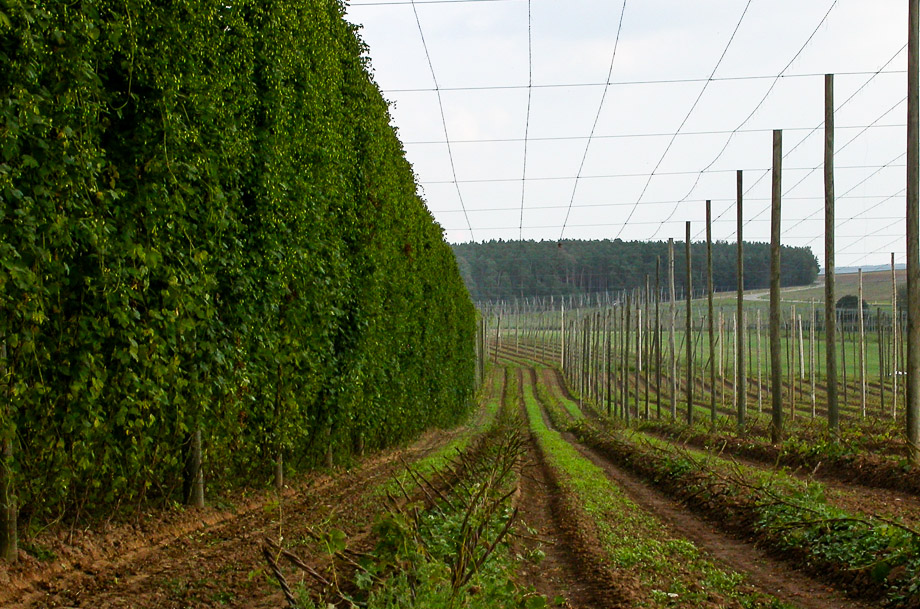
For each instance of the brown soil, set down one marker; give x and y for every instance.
(763, 571)
(866, 470)
(856, 498)
(213, 557)
(573, 567)
(556, 574)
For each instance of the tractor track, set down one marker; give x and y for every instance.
(767, 573)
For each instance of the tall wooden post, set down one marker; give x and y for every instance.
(689, 329)
(498, 332)
(647, 345)
(711, 326)
(759, 363)
(741, 388)
(830, 299)
(913, 236)
(793, 350)
(895, 327)
(9, 532)
(862, 348)
(623, 358)
(776, 372)
(881, 357)
(585, 359)
(736, 346)
(626, 354)
(638, 355)
(811, 360)
(562, 337)
(195, 472)
(658, 336)
(608, 336)
(671, 340)
(723, 361)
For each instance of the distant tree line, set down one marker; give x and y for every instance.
(501, 270)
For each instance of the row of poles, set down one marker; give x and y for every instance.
(594, 334)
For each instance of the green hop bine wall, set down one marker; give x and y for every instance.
(208, 223)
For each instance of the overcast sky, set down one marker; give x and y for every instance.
(705, 70)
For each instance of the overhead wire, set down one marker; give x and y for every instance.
(450, 154)
(862, 213)
(686, 118)
(842, 148)
(841, 106)
(600, 107)
(628, 83)
(626, 203)
(527, 120)
(749, 116)
(637, 223)
(563, 138)
(630, 175)
(878, 169)
(528, 138)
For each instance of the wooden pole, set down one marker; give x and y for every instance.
(626, 355)
(9, 531)
(712, 333)
(830, 299)
(811, 360)
(862, 348)
(196, 472)
(658, 336)
(585, 360)
(741, 388)
(623, 357)
(720, 349)
(638, 354)
(843, 362)
(791, 351)
(759, 364)
(562, 336)
(498, 332)
(881, 357)
(894, 341)
(912, 405)
(689, 328)
(801, 351)
(776, 385)
(736, 346)
(671, 338)
(647, 345)
(608, 357)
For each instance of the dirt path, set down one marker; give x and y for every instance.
(768, 574)
(850, 496)
(220, 563)
(560, 572)
(551, 565)
(763, 571)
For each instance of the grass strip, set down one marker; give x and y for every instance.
(671, 572)
(856, 457)
(872, 557)
(555, 397)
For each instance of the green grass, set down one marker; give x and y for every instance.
(672, 572)
(790, 515)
